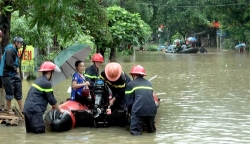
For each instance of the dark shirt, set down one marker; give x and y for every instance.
(91, 75)
(202, 50)
(117, 87)
(9, 61)
(39, 95)
(139, 98)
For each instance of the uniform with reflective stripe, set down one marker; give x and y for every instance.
(91, 74)
(139, 98)
(117, 87)
(42, 89)
(39, 95)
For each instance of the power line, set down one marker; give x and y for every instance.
(187, 6)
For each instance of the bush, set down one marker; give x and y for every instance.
(152, 48)
(228, 44)
(31, 77)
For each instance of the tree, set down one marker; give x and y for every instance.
(126, 28)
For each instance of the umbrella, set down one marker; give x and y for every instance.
(66, 59)
(191, 39)
(242, 45)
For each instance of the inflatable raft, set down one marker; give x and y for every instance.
(95, 115)
(190, 50)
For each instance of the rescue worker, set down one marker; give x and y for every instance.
(202, 49)
(116, 80)
(140, 102)
(80, 90)
(39, 95)
(9, 73)
(92, 72)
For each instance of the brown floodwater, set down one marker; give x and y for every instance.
(206, 101)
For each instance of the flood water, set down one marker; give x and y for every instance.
(206, 101)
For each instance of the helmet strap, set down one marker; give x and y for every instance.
(51, 73)
(133, 76)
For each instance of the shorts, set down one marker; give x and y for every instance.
(13, 87)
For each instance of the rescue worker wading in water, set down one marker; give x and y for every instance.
(39, 95)
(116, 80)
(140, 102)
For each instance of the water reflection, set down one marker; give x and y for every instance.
(207, 101)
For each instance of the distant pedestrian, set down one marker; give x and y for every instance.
(202, 49)
(242, 49)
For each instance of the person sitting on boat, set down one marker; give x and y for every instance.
(92, 72)
(178, 48)
(140, 102)
(116, 80)
(202, 49)
(80, 91)
(39, 95)
(184, 47)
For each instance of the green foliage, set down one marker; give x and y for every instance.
(20, 27)
(79, 38)
(93, 19)
(50, 57)
(228, 44)
(176, 36)
(152, 48)
(31, 77)
(4, 8)
(127, 28)
(127, 52)
(57, 16)
(31, 73)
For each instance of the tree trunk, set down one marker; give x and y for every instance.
(5, 27)
(122, 3)
(20, 62)
(102, 52)
(112, 55)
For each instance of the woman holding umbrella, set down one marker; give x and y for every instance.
(80, 90)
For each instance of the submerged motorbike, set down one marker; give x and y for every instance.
(95, 115)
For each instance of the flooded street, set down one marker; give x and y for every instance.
(206, 101)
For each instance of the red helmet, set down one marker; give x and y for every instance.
(97, 58)
(1, 33)
(138, 69)
(113, 71)
(49, 66)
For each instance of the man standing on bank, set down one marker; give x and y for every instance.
(10, 74)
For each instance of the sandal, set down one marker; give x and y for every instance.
(10, 112)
